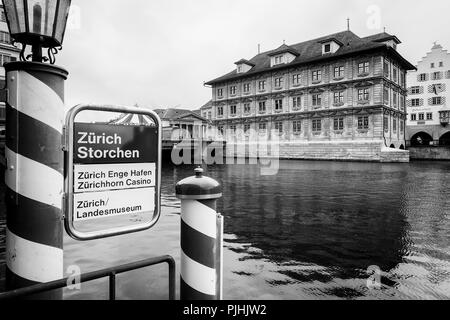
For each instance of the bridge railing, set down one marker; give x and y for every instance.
(108, 272)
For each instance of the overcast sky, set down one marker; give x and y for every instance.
(158, 53)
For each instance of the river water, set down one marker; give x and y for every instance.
(311, 231)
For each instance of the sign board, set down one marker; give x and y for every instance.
(112, 174)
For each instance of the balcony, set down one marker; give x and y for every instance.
(444, 117)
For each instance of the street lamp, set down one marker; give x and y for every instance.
(39, 23)
(33, 149)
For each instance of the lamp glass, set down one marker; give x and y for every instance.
(37, 21)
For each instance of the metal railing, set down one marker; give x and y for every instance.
(108, 272)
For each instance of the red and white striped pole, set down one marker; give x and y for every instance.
(34, 175)
(201, 238)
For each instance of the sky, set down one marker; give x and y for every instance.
(159, 53)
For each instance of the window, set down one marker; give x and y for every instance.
(421, 116)
(441, 64)
(402, 79)
(278, 59)
(338, 97)
(279, 127)
(262, 85)
(239, 69)
(246, 128)
(339, 72)
(232, 129)
(233, 110)
(415, 102)
(415, 90)
(262, 107)
(297, 127)
(413, 117)
(386, 123)
(220, 93)
(220, 129)
(423, 77)
(395, 75)
(317, 125)
(363, 68)
(394, 125)
(338, 124)
(296, 79)
(363, 94)
(278, 82)
(233, 90)
(402, 126)
(317, 100)
(435, 101)
(317, 76)
(395, 99)
(327, 48)
(246, 87)
(297, 102)
(2, 16)
(386, 69)
(429, 116)
(262, 127)
(436, 76)
(386, 95)
(247, 108)
(209, 115)
(220, 111)
(278, 105)
(6, 59)
(5, 37)
(363, 122)
(432, 65)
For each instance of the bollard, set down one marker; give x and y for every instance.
(201, 238)
(34, 175)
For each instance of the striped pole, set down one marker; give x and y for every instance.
(34, 175)
(201, 238)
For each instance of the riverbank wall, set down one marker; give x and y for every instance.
(430, 153)
(342, 151)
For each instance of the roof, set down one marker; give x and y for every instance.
(245, 62)
(207, 105)
(283, 49)
(177, 114)
(311, 51)
(380, 37)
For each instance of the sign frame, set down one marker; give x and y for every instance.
(69, 193)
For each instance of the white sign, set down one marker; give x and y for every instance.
(96, 205)
(102, 177)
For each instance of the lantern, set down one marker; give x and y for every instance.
(39, 23)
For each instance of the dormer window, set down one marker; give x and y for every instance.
(243, 66)
(330, 45)
(279, 59)
(282, 55)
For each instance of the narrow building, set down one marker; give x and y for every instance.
(428, 98)
(338, 97)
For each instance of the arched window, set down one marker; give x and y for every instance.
(421, 139)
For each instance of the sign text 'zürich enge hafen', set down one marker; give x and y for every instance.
(116, 170)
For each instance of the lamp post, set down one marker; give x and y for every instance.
(34, 157)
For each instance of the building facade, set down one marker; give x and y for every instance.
(8, 53)
(428, 98)
(337, 97)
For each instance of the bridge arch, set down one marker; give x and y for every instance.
(402, 147)
(444, 140)
(421, 139)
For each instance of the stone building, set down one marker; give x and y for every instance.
(337, 97)
(428, 98)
